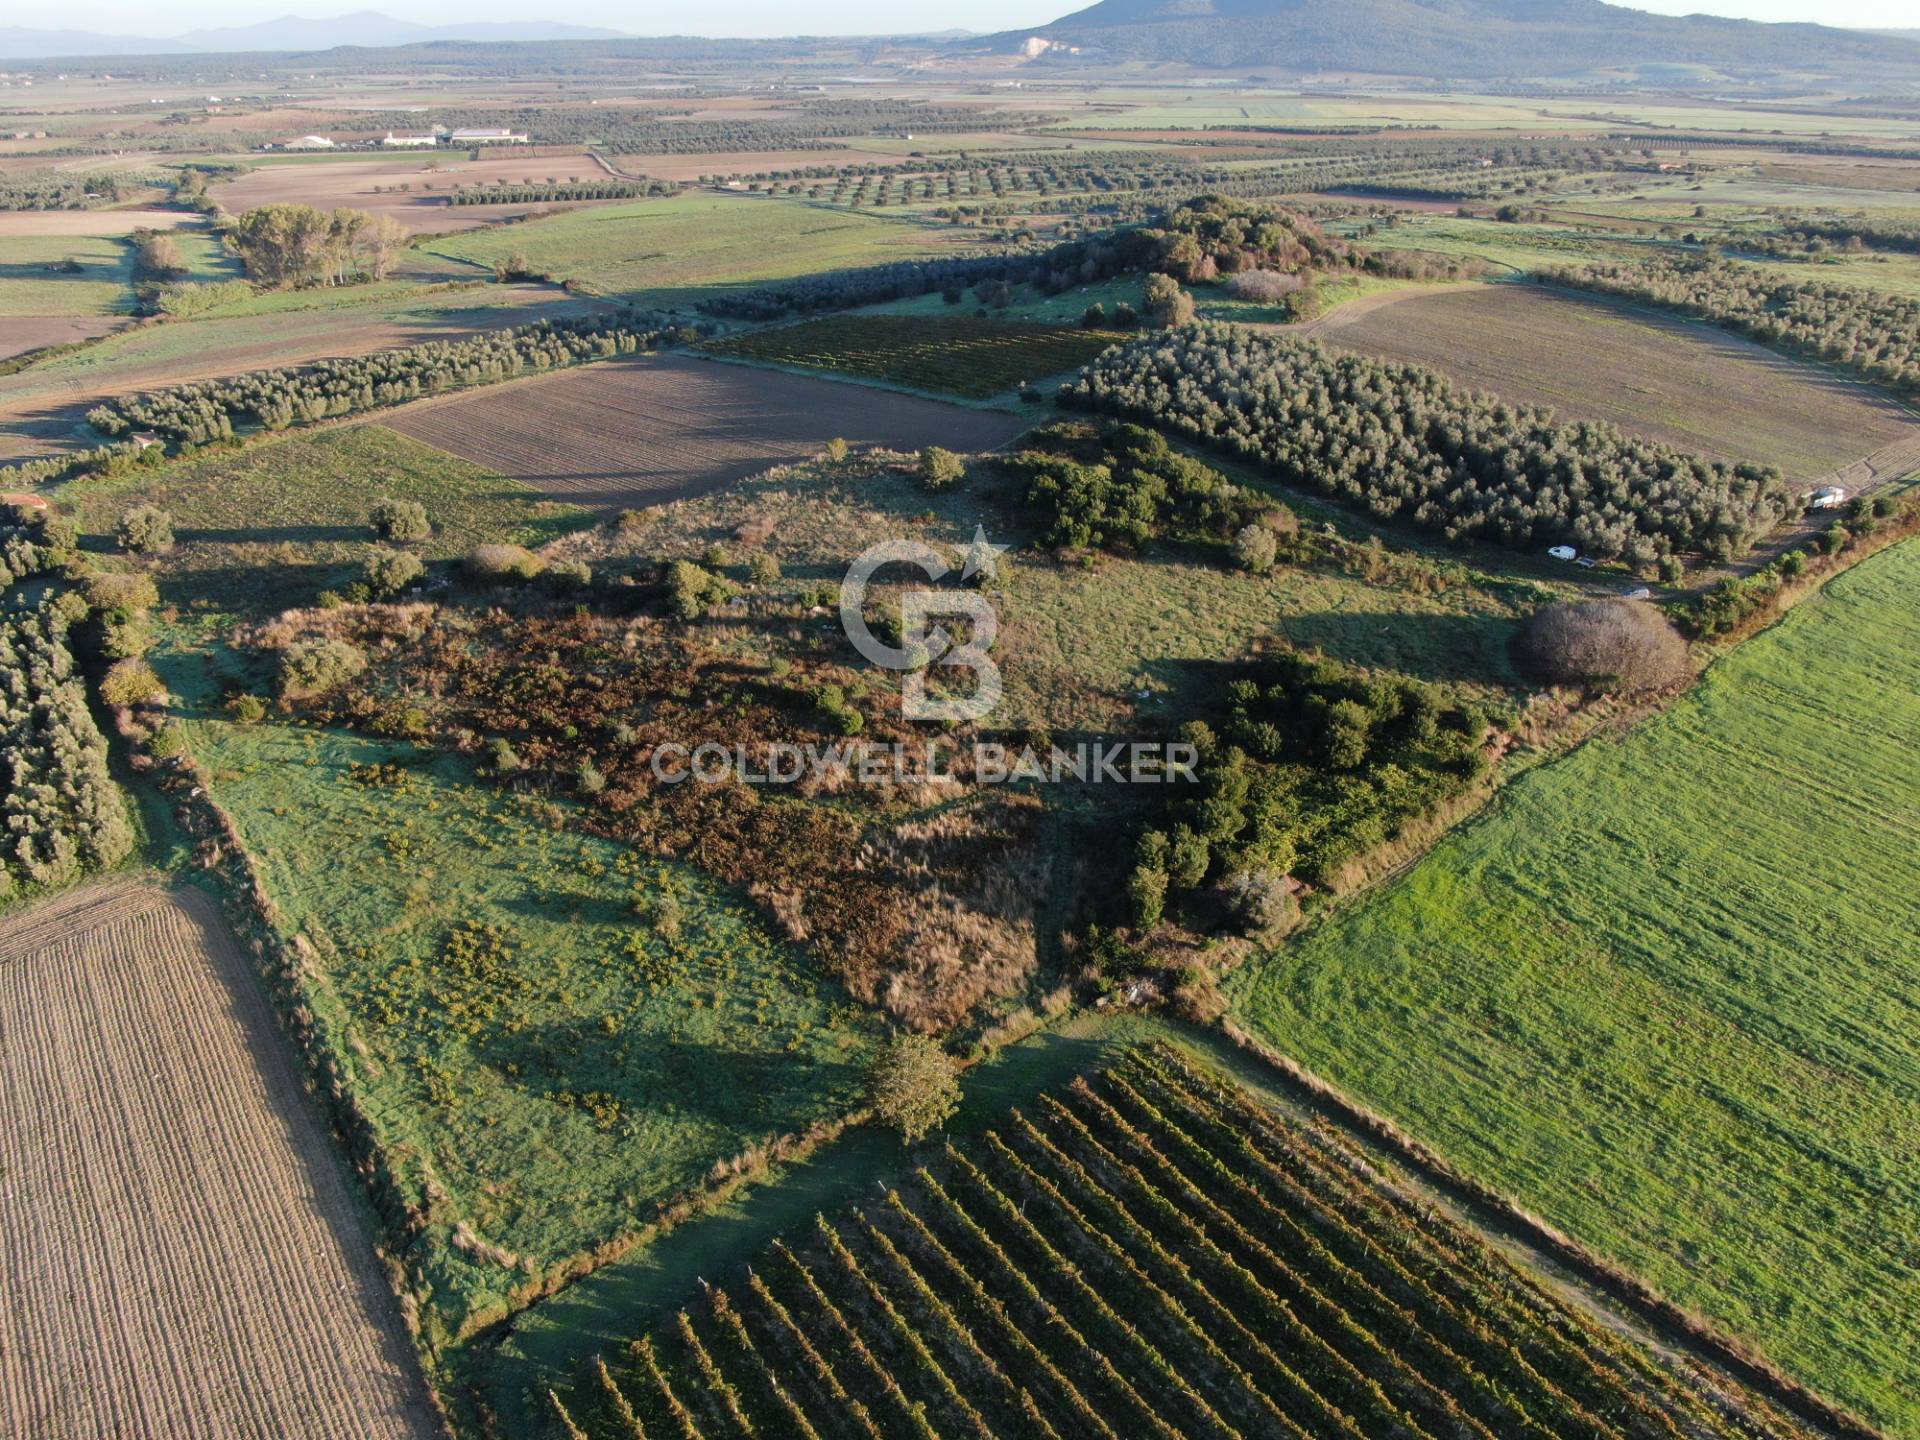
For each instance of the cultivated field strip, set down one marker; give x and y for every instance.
(181, 1256)
(663, 427)
(1151, 1254)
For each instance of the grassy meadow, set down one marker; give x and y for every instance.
(680, 251)
(272, 525)
(1663, 993)
(563, 1032)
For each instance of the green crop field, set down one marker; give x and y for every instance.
(1149, 1251)
(947, 354)
(678, 252)
(1663, 994)
(277, 523)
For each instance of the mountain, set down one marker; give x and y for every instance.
(366, 28)
(1452, 38)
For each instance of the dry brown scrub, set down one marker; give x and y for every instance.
(181, 1256)
(1683, 384)
(664, 427)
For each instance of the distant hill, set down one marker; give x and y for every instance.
(1454, 38)
(367, 28)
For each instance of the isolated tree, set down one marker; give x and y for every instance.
(1254, 549)
(1166, 304)
(400, 520)
(144, 530)
(912, 1086)
(1622, 645)
(940, 469)
(388, 572)
(130, 682)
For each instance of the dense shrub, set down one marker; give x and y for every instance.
(1264, 287)
(940, 469)
(1255, 548)
(503, 564)
(1606, 644)
(313, 667)
(1405, 444)
(1121, 487)
(388, 572)
(692, 590)
(130, 682)
(400, 521)
(1164, 303)
(144, 530)
(912, 1087)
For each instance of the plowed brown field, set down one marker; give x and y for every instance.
(180, 1255)
(664, 427)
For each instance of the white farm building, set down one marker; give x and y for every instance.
(417, 142)
(307, 142)
(486, 137)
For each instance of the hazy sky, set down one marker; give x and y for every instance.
(770, 17)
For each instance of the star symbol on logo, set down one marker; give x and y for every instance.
(983, 556)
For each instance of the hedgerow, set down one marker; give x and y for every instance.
(275, 399)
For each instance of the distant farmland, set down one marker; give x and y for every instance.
(623, 433)
(180, 1240)
(955, 354)
(1692, 387)
(1151, 1253)
(1664, 993)
(681, 251)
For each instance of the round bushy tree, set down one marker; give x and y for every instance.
(144, 530)
(400, 521)
(912, 1086)
(1618, 645)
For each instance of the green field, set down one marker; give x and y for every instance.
(946, 354)
(29, 286)
(678, 252)
(555, 1065)
(1664, 994)
(275, 524)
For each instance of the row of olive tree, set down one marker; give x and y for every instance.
(1405, 444)
(276, 399)
(61, 812)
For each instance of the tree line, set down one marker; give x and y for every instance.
(1403, 443)
(275, 399)
(62, 814)
(1874, 335)
(529, 192)
(301, 245)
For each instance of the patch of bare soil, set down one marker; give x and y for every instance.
(181, 1254)
(628, 433)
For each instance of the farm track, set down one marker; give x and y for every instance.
(182, 1256)
(666, 427)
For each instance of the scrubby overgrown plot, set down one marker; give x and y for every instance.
(958, 355)
(1406, 444)
(1664, 996)
(1152, 1252)
(182, 1253)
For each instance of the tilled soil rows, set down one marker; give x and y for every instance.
(181, 1255)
